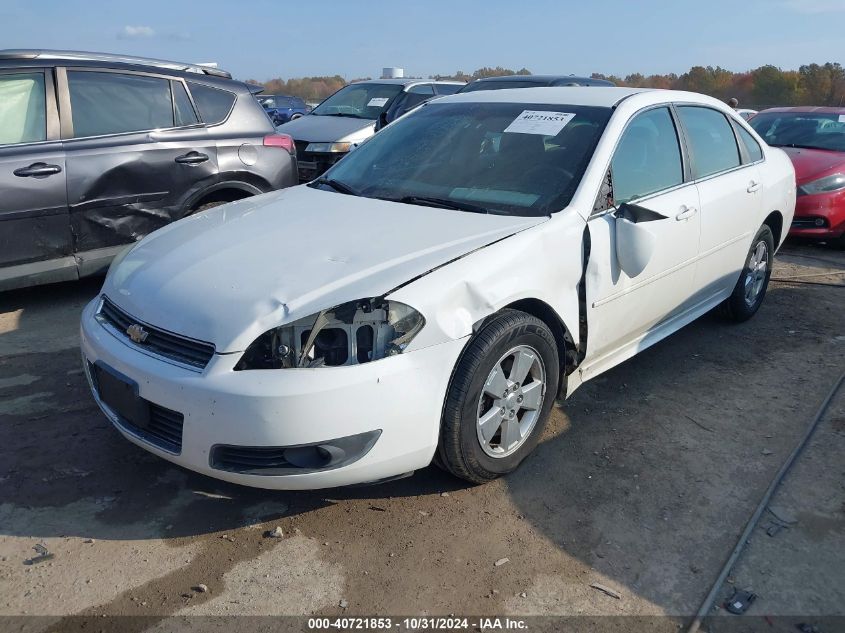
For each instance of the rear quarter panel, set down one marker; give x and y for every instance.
(779, 187)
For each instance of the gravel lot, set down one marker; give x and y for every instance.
(642, 484)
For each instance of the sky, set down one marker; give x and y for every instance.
(262, 39)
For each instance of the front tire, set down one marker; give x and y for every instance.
(750, 289)
(499, 400)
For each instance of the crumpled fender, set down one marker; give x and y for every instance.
(543, 262)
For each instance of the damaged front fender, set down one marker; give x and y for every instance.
(542, 263)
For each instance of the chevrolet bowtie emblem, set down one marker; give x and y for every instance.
(137, 333)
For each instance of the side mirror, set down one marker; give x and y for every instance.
(635, 241)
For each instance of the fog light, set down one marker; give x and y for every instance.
(819, 221)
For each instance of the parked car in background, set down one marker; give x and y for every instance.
(413, 98)
(98, 150)
(349, 116)
(532, 81)
(283, 108)
(814, 138)
(745, 113)
(432, 294)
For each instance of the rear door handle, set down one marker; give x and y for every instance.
(37, 170)
(192, 158)
(686, 213)
(753, 186)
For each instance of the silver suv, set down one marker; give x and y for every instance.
(98, 150)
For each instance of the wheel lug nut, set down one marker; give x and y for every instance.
(511, 414)
(502, 411)
(519, 399)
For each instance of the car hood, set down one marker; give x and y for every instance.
(813, 163)
(229, 274)
(328, 129)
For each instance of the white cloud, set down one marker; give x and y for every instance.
(815, 6)
(132, 32)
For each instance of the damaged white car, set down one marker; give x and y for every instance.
(433, 293)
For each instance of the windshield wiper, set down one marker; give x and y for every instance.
(443, 203)
(337, 186)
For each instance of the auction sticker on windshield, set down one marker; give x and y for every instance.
(540, 122)
(377, 101)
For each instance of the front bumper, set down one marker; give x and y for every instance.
(401, 396)
(312, 166)
(819, 215)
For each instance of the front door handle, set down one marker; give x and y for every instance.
(753, 186)
(686, 213)
(192, 158)
(37, 170)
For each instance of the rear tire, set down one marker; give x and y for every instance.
(750, 289)
(499, 399)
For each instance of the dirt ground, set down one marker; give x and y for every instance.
(643, 483)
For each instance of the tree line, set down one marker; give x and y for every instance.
(766, 86)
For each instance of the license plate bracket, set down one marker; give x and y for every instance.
(120, 394)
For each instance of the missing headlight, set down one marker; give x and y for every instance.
(349, 334)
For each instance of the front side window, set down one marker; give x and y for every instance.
(648, 157)
(360, 101)
(711, 138)
(113, 103)
(504, 158)
(810, 130)
(23, 111)
(214, 104)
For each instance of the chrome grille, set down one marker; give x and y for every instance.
(161, 342)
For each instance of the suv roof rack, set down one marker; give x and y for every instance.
(107, 57)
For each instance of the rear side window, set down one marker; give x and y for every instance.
(712, 139)
(183, 111)
(755, 153)
(23, 113)
(214, 104)
(648, 157)
(112, 103)
(448, 89)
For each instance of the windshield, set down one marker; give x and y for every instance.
(505, 158)
(362, 101)
(501, 85)
(812, 130)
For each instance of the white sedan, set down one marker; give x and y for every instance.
(431, 296)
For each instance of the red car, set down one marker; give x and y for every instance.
(814, 138)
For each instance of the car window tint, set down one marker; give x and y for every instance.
(182, 107)
(422, 89)
(214, 105)
(755, 153)
(712, 139)
(111, 103)
(648, 157)
(448, 89)
(23, 114)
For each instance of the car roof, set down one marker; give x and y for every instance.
(585, 96)
(406, 81)
(807, 109)
(571, 95)
(85, 56)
